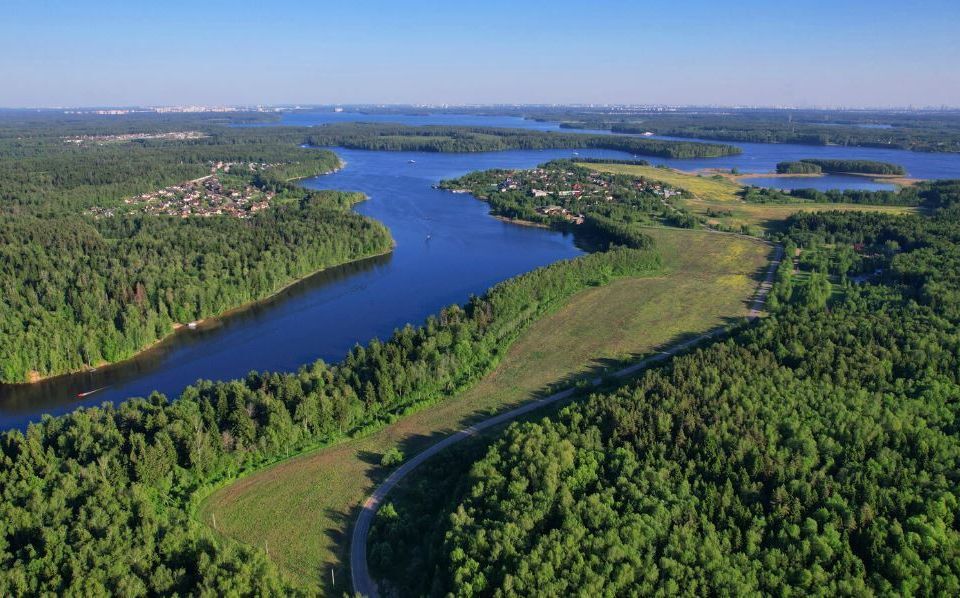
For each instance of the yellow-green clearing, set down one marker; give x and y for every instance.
(301, 509)
(713, 188)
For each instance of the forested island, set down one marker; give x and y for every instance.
(817, 166)
(814, 452)
(798, 167)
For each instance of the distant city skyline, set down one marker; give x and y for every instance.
(689, 53)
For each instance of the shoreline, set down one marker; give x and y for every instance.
(201, 324)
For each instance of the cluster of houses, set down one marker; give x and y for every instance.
(203, 197)
(561, 212)
(206, 196)
(573, 191)
(126, 137)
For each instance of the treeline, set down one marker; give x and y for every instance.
(906, 196)
(931, 195)
(841, 166)
(612, 161)
(918, 131)
(111, 487)
(487, 139)
(22, 125)
(798, 167)
(816, 452)
(82, 291)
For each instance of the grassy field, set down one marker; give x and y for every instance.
(703, 187)
(300, 510)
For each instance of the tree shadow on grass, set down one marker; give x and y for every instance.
(339, 535)
(370, 457)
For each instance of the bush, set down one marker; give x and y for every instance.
(392, 458)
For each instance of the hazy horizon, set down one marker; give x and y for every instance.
(839, 54)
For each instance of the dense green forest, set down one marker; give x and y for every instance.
(79, 292)
(488, 139)
(798, 167)
(98, 501)
(818, 165)
(816, 452)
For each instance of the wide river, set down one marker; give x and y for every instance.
(447, 248)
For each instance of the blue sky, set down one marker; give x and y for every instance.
(83, 53)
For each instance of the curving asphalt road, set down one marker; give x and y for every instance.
(363, 584)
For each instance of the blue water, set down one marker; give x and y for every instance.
(447, 248)
(822, 183)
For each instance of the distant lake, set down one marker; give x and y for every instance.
(822, 183)
(447, 248)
